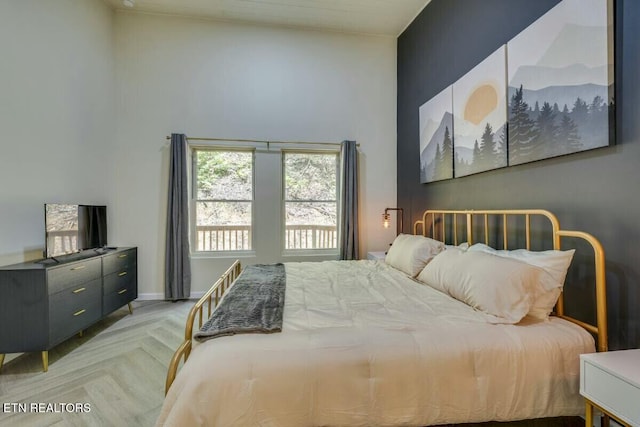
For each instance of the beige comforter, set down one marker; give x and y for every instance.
(364, 345)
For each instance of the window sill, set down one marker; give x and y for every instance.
(290, 253)
(223, 255)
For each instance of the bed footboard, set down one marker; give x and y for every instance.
(211, 299)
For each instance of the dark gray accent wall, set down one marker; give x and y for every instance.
(596, 191)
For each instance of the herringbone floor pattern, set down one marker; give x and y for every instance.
(118, 367)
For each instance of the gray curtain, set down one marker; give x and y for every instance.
(348, 201)
(177, 278)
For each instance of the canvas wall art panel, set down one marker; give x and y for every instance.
(436, 138)
(560, 73)
(480, 117)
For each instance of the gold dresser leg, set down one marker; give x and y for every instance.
(45, 361)
(588, 421)
(1, 360)
(130, 308)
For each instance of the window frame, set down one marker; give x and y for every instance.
(193, 203)
(283, 232)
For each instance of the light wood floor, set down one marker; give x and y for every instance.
(118, 367)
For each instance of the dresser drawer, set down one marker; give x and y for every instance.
(76, 294)
(613, 392)
(117, 281)
(119, 261)
(70, 312)
(72, 274)
(120, 297)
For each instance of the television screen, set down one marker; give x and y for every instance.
(92, 227)
(73, 228)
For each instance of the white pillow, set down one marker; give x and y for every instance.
(502, 288)
(555, 263)
(410, 253)
(462, 246)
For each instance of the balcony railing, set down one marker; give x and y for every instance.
(223, 237)
(238, 237)
(311, 237)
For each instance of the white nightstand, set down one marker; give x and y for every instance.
(376, 256)
(610, 381)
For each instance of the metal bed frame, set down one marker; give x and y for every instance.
(210, 299)
(448, 226)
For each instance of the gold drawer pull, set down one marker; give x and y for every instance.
(80, 267)
(78, 313)
(124, 273)
(122, 291)
(77, 291)
(122, 256)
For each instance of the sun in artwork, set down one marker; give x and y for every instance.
(482, 102)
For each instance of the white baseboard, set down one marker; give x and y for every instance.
(160, 297)
(150, 297)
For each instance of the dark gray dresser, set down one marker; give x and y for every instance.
(43, 304)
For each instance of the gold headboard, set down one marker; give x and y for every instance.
(458, 226)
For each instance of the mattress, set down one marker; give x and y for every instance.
(364, 345)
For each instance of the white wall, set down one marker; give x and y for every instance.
(57, 116)
(213, 79)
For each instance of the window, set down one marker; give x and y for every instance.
(223, 199)
(310, 200)
(243, 201)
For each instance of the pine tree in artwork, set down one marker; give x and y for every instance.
(462, 167)
(521, 129)
(476, 161)
(597, 105)
(502, 147)
(447, 154)
(546, 141)
(536, 111)
(437, 174)
(488, 148)
(580, 108)
(568, 133)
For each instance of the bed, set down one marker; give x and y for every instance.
(364, 343)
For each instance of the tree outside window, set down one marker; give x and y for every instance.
(310, 200)
(223, 198)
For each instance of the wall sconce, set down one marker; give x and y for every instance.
(386, 219)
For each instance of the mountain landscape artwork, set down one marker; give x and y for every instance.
(560, 74)
(480, 117)
(546, 93)
(436, 138)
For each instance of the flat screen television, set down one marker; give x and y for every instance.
(74, 228)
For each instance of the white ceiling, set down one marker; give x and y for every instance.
(384, 17)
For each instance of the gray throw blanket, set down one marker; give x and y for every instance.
(255, 303)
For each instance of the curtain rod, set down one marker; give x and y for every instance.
(264, 142)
